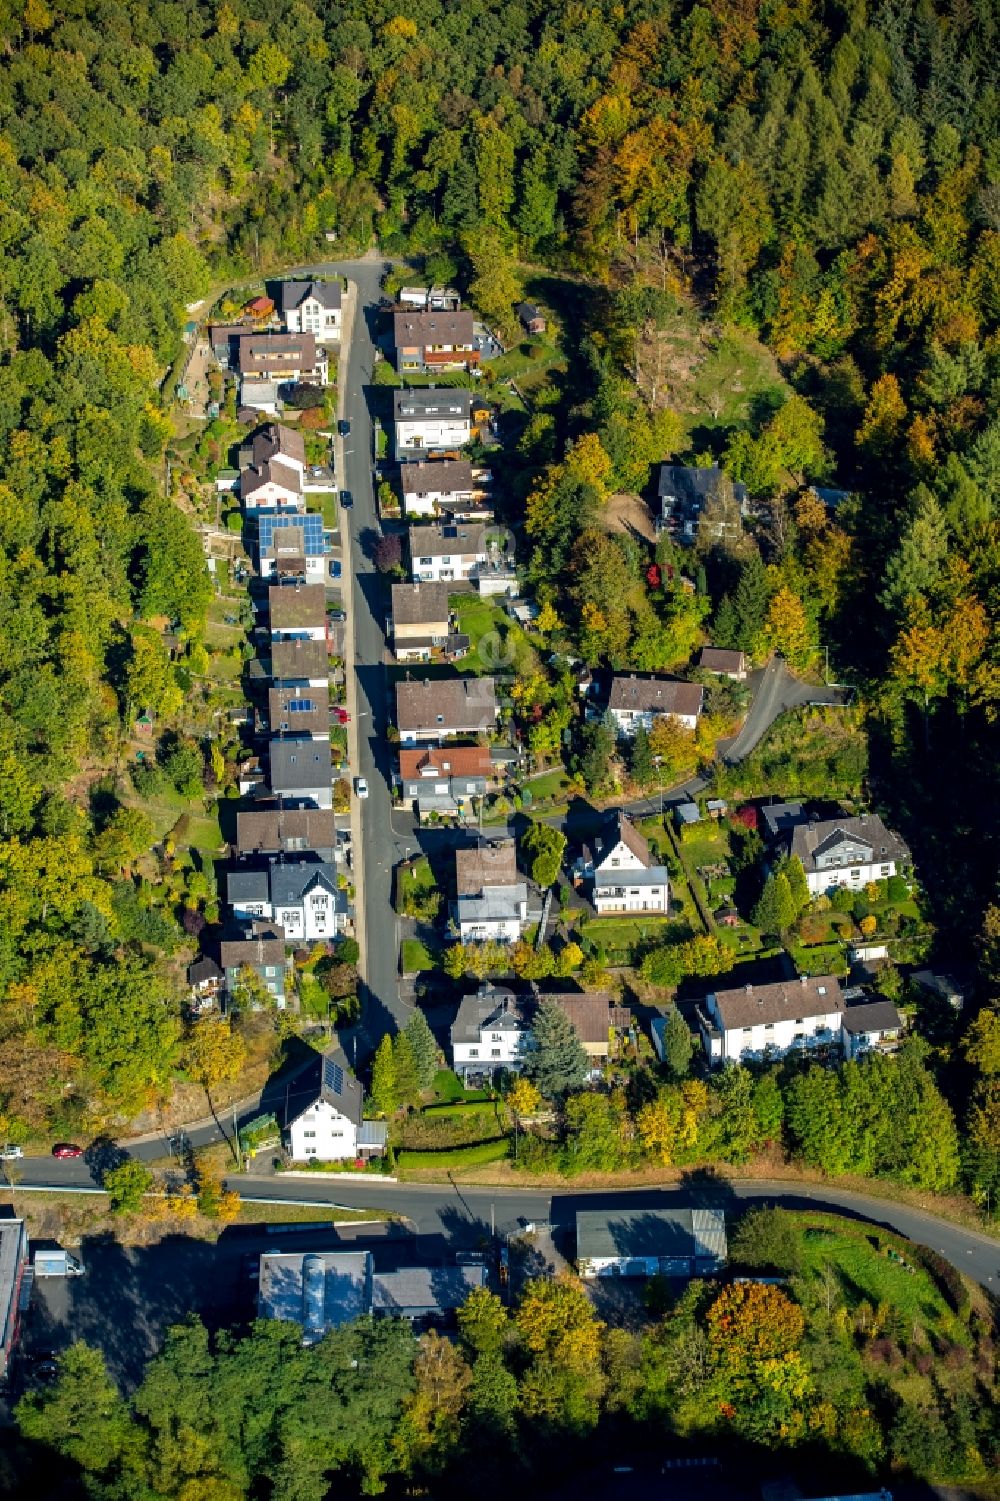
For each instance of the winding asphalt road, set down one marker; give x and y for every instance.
(460, 1214)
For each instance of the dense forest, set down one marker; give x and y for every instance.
(824, 175)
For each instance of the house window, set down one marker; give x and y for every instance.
(473, 1052)
(309, 1135)
(497, 1037)
(310, 1151)
(495, 1053)
(748, 1031)
(769, 1026)
(883, 870)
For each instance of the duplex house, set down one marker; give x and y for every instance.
(294, 545)
(724, 663)
(428, 488)
(431, 709)
(443, 781)
(420, 620)
(325, 1119)
(449, 550)
(271, 486)
(848, 852)
(639, 700)
(301, 770)
(277, 830)
(428, 419)
(490, 1032)
(300, 663)
(434, 340)
(299, 713)
(750, 1021)
(686, 491)
(312, 307)
(626, 877)
(281, 358)
(297, 612)
(261, 948)
(491, 898)
(300, 895)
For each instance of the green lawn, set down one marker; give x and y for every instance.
(313, 999)
(736, 373)
(546, 789)
(414, 880)
(865, 1274)
(449, 1089)
(472, 1107)
(325, 501)
(204, 833)
(478, 617)
(457, 1157)
(620, 936)
(417, 957)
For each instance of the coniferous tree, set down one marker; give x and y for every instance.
(384, 1090)
(678, 1044)
(556, 1061)
(424, 1048)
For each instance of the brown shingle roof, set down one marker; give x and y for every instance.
(452, 761)
(296, 605)
(459, 539)
(298, 660)
(420, 604)
(271, 471)
(721, 659)
(785, 1000)
(414, 329)
(492, 864)
(655, 696)
(269, 830)
(284, 352)
(299, 721)
(267, 947)
(592, 1016)
(621, 827)
(276, 440)
(446, 705)
(450, 477)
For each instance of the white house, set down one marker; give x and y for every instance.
(301, 770)
(626, 879)
(431, 418)
(293, 544)
(848, 852)
(312, 307)
(271, 486)
(447, 551)
(639, 700)
(327, 1123)
(302, 896)
(871, 1026)
(430, 487)
(432, 709)
(492, 900)
(751, 1021)
(490, 1032)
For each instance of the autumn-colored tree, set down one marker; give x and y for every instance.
(483, 1322)
(431, 1422)
(214, 1053)
(982, 1042)
(884, 417)
(749, 1322)
(788, 629)
(523, 1098)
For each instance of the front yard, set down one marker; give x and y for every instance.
(417, 957)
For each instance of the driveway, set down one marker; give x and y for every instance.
(776, 690)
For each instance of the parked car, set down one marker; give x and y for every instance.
(361, 786)
(337, 615)
(344, 428)
(66, 1149)
(336, 570)
(346, 499)
(341, 715)
(10, 1153)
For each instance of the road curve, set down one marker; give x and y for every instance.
(464, 1210)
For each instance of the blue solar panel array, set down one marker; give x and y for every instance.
(333, 1076)
(310, 521)
(301, 706)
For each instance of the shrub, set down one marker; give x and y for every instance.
(947, 1277)
(896, 889)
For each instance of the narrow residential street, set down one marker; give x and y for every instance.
(375, 841)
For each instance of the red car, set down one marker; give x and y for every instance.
(341, 716)
(66, 1149)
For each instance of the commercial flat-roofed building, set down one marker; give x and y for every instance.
(425, 1293)
(650, 1242)
(13, 1289)
(318, 1289)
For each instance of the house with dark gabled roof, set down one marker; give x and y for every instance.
(446, 485)
(449, 550)
(530, 318)
(301, 770)
(297, 712)
(302, 895)
(636, 701)
(300, 663)
(432, 709)
(427, 420)
(848, 852)
(434, 339)
(687, 490)
(626, 876)
(492, 899)
(205, 980)
(723, 662)
(443, 780)
(312, 307)
(297, 611)
(259, 947)
(273, 829)
(324, 1118)
(271, 485)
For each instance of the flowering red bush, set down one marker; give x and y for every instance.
(654, 577)
(747, 816)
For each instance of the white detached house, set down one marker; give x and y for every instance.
(329, 1126)
(625, 877)
(848, 852)
(752, 1021)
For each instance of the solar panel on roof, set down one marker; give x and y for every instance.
(301, 706)
(311, 525)
(333, 1076)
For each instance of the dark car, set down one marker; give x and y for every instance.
(346, 499)
(344, 428)
(66, 1149)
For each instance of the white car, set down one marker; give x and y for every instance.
(10, 1153)
(360, 786)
